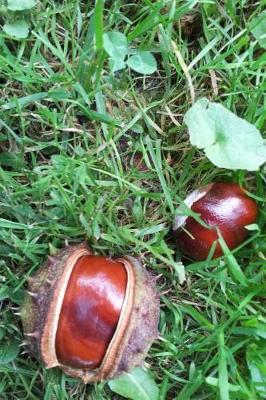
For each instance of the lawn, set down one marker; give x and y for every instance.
(90, 153)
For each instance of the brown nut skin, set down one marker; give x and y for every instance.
(137, 326)
(90, 311)
(225, 206)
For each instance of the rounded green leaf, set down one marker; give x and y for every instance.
(228, 141)
(202, 123)
(117, 65)
(9, 351)
(17, 29)
(137, 384)
(20, 5)
(115, 44)
(258, 29)
(143, 62)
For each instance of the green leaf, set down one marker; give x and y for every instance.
(17, 296)
(228, 141)
(4, 292)
(256, 360)
(13, 160)
(116, 65)
(4, 223)
(137, 384)
(143, 62)
(9, 351)
(258, 29)
(20, 5)
(200, 124)
(18, 29)
(115, 45)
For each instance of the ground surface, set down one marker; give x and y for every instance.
(72, 139)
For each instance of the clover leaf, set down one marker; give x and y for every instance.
(143, 62)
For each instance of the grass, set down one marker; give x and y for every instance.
(70, 134)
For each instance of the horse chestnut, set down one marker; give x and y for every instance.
(223, 206)
(92, 316)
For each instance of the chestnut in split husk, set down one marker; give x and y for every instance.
(223, 206)
(92, 316)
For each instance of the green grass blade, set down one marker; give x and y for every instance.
(98, 24)
(222, 369)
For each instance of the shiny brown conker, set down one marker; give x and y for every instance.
(92, 316)
(223, 206)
